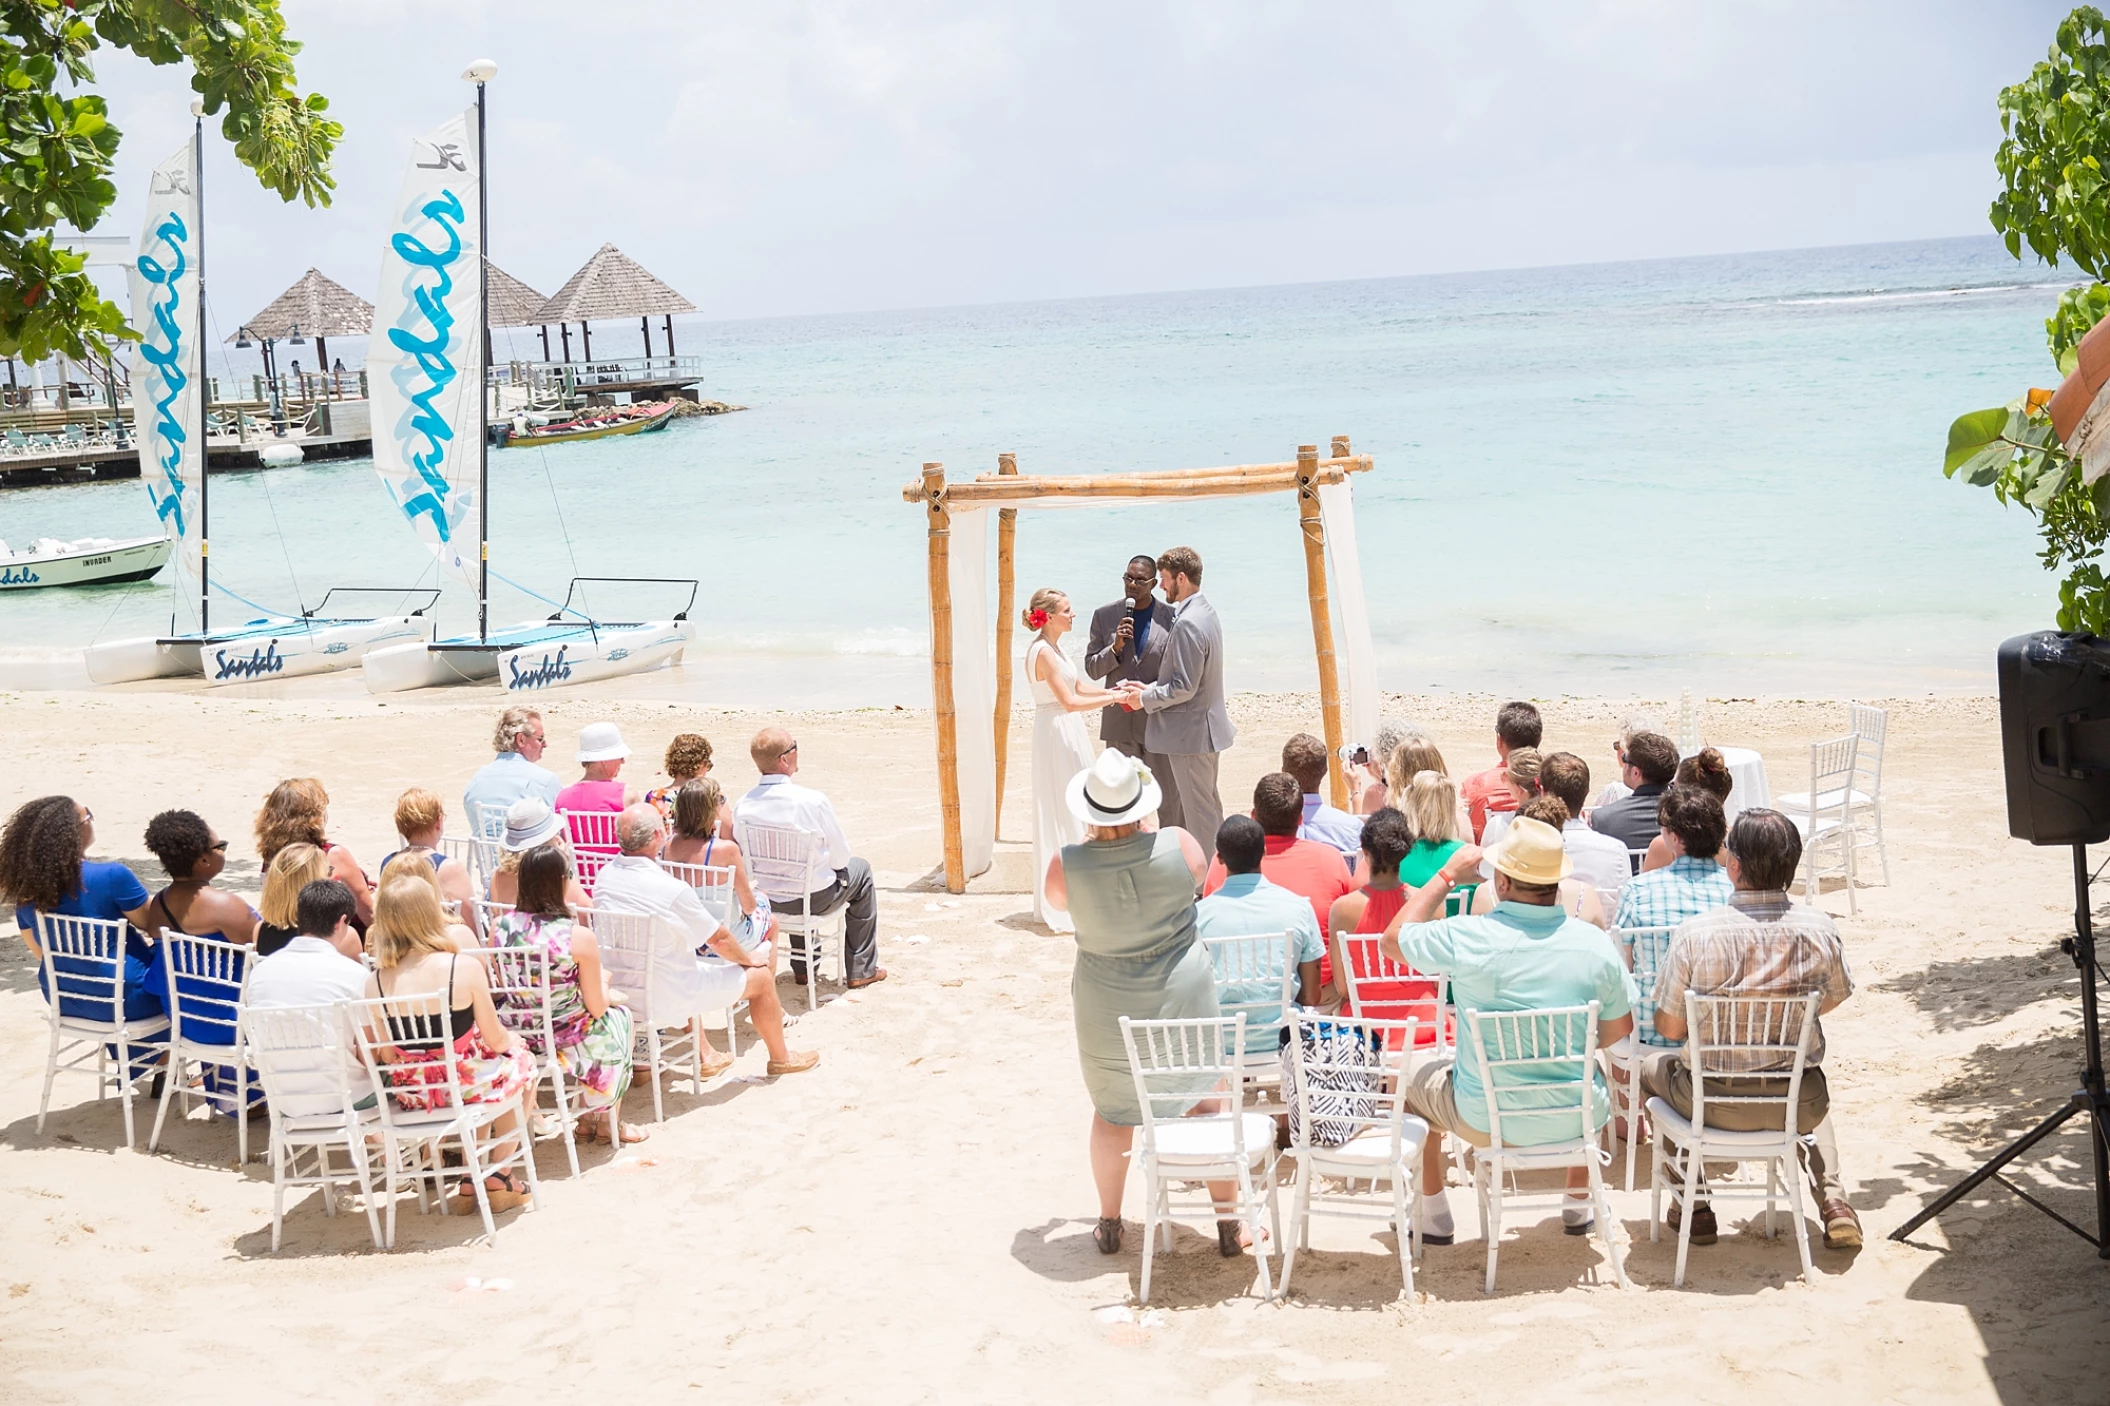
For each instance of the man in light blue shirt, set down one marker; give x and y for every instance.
(1246, 906)
(512, 775)
(1304, 757)
(1526, 955)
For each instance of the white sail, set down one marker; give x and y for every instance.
(425, 363)
(169, 364)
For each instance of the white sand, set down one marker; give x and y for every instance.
(912, 1221)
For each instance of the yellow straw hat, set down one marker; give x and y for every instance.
(1531, 853)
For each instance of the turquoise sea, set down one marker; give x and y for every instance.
(1717, 473)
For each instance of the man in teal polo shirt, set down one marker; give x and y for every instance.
(1526, 955)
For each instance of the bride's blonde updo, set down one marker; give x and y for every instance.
(1044, 600)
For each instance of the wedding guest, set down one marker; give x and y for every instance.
(193, 856)
(1387, 838)
(1126, 644)
(298, 812)
(699, 822)
(1313, 871)
(417, 866)
(1248, 905)
(1516, 725)
(512, 774)
(1599, 860)
(1631, 727)
(1707, 770)
(290, 871)
(1304, 757)
(321, 964)
(1651, 759)
(1368, 782)
(601, 754)
(529, 824)
(1578, 896)
(1415, 754)
(688, 759)
(422, 820)
(1430, 804)
(780, 801)
(591, 1032)
(1692, 883)
(1520, 782)
(44, 868)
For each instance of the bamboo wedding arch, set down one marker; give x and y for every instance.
(955, 515)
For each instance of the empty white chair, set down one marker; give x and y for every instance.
(84, 987)
(1542, 1065)
(1352, 1127)
(206, 978)
(519, 979)
(1378, 988)
(1256, 978)
(784, 860)
(1177, 1064)
(1728, 1036)
(1644, 950)
(303, 1057)
(1870, 727)
(403, 1040)
(626, 953)
(714, 888)
(1825, 814)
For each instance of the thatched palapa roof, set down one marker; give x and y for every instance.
(512, 303)
(318, 307)
(611, 285)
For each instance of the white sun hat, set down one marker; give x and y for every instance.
(601, 742)
(1114, 790)
(530, 822)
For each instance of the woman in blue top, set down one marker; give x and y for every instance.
(194, 856)
(44, 868)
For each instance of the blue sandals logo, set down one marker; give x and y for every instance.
(166, 362)
(255, 664)
(423, 434)
(552, 670)
(10, 576)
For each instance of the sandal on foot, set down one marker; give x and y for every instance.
(1227, 1241)
(1107, 1235)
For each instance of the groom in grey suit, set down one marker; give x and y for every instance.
(1185, 718)
(1127, 644)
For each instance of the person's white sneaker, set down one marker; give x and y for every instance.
(1432, 1219)
(1578, 1216)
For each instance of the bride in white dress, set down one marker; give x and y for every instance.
(1061, 745)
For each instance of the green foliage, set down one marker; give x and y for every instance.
(2055, 149)
(2079, 310)
(56, 149)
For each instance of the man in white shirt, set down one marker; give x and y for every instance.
(697, 964)
(319, 966)
(1598, 859)
(513, 774)
(778, 800)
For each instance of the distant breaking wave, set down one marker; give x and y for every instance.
(1819, 300)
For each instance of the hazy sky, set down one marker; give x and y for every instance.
(786, 158)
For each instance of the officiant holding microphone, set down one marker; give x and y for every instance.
(1127, 645)
(1185, 724)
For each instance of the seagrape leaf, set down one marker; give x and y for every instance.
(1976, 447)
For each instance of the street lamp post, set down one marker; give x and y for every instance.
(243, 338)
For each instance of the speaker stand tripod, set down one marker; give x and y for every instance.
(2088, 1101)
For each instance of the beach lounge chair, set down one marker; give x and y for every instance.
(1726, 1035)
(1541, 1064)
(1174, 1062)
(1368, 1138)
(206, 980)
(300, 1054)
(84, 989)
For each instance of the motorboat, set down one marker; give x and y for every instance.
(85, 561)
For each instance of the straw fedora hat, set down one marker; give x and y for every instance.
(601, 742)
(530, 822)
(1531, 853)
(1114, 790)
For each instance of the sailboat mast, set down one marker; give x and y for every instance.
(483, 379)
(197, 178)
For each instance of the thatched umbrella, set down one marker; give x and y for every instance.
(314, 307)
(612, 284)
(513, 304)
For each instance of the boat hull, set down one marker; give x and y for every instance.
(263, 649)
(531, 658)
(635, 424)
(134, 560)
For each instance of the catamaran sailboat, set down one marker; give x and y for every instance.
(426, 371)
(168, 302)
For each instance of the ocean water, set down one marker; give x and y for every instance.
(1718, 473)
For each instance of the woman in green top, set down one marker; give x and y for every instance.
(1431, 807)
(1130, 892)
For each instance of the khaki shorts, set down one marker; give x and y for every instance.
(1430, 1097)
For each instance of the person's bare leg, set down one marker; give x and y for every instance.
(1432, 1163)
(767, 1012)
(1110, 1145)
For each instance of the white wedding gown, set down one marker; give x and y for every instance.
(1061, 749)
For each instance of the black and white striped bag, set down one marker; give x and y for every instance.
(1346, 1089)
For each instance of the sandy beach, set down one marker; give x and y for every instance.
(911, 1222)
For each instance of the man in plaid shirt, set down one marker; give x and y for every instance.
(1762, 944)
(1694, 882)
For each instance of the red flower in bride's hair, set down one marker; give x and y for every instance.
(1038, 619)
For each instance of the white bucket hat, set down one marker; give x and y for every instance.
(1114, 790)
(530, 822)
(601, 742)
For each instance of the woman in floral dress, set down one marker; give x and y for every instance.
(592, 1033)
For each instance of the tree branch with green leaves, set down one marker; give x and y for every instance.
(57, 146)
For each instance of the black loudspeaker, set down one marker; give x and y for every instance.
(2055, 737)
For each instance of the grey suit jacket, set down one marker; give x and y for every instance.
(1186, 704)
(1117, 724)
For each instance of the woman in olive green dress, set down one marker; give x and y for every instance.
(1130, 892)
